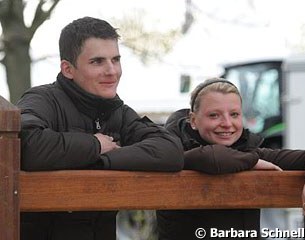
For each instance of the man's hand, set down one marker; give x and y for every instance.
(264, 165)
(106, 142)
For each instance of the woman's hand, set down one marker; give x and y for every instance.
(264, 165)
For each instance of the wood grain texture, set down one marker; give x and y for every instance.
(9, 170)
(9, 117)
(108, 190)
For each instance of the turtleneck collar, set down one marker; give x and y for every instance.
(91, 105)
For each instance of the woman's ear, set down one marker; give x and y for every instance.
(193, 120)
(67, 69)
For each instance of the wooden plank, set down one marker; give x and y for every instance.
(9, 170)
(107, 190)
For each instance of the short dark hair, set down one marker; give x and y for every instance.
(74, 35)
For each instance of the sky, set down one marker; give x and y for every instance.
(223, 31)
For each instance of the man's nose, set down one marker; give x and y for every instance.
(109, 68)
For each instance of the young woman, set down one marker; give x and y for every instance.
(215, 142)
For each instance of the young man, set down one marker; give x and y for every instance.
(79, 122)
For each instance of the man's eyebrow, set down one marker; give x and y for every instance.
(97, 58)
(103, 58)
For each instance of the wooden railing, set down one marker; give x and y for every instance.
(108, 190)
(9, 170)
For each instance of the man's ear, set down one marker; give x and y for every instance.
(192, 118)
(67, 69)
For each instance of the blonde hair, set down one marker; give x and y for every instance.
(220, 85)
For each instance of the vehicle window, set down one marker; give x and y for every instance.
(260, 91)
(267, 95)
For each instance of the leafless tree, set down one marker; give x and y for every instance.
(15, 42)
(16, 38)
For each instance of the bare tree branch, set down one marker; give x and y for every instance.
(1, 45)
(41, 15)
(1, 53)
(3, 8)
(239, 19)
(146, 44)
(11, 9)
(188, 17)
(44, 57)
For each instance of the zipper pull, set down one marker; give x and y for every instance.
(97, 124)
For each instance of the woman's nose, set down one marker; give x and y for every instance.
(226, 121)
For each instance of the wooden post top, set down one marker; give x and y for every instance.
(9, 117)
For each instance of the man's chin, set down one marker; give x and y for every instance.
(107, 95)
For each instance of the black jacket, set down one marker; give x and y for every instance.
(59, 121)
(219, 159)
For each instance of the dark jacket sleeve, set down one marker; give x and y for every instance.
(212, 159)
(43, 148)
(219, 159)
(146, 147)
(285, 158)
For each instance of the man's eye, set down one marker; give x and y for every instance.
(96, 61)
(117, 59)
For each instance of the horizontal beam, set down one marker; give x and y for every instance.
(109, 190)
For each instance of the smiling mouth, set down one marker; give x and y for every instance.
(224, 134)
(107, 83)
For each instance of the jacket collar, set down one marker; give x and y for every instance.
(91, 105)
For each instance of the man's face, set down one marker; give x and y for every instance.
(98, 67)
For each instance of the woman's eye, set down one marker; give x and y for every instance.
(213, 115)
(235, 114)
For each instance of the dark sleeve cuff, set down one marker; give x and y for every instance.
(105, 161)
(98, 143)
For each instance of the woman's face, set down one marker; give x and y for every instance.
(219, 118)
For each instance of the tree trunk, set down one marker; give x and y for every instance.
(18, 70)
(15, 45)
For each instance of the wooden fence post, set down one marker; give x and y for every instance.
(9, 170)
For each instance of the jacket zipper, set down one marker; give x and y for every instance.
(97, 124)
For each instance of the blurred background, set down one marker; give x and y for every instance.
(167, 48)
